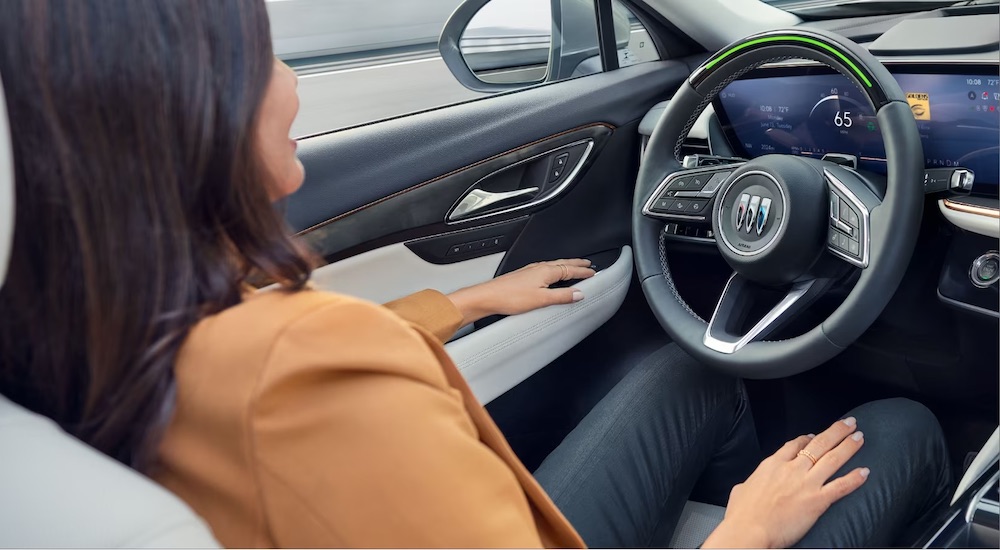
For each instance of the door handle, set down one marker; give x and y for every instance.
(478, 200)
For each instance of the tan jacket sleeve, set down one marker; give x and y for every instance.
(431, 310)
(359, 441)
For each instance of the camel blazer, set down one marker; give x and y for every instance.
(310, 419)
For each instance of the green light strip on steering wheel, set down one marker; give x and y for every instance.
(826, 47)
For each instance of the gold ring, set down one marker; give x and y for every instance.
(808, 455)
(565, 272)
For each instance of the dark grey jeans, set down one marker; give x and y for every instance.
(623, 475)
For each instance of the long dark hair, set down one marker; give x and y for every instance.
(142, 205)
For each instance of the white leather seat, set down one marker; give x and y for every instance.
(55, 491)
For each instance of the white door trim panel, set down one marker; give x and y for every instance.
(500, 356)
(391, 272)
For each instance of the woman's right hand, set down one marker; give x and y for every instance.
(785, 496)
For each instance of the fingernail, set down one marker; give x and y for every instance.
(811, 436)
(850, 421)
(857, 436)
(864, 472)
(577, 296)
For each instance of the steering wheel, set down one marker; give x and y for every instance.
(789, 226)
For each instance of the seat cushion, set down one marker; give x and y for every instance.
(58, 492)
(697, 522)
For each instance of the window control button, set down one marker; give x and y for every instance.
(484, 244)
(561, 160)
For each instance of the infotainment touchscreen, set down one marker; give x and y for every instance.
(958, 117)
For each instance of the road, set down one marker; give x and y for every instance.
(348, 97)
(376, 89)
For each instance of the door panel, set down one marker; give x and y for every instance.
(378, 198)
(394, 271)
(350, 169)
(496, 358)
(423, 209)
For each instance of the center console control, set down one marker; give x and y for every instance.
(973, 519)
(955, 180)
(985, 271)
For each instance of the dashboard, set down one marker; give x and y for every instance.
(812, 111)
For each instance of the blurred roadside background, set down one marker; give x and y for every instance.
(365, 60)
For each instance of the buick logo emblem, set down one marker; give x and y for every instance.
(752, 213)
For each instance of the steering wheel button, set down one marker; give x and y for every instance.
(680, 184)
(680, 205)
(834, 207)
(839, 240)
(663, 204)
(698, 206)
(695, 183)
(854, 248)
(852, 219)
(713, 183)
(844, 227)
(844, 209)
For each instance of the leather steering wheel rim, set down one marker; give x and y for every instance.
(894, 223)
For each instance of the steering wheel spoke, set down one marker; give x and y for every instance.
(851, 203)
(687, 195)
(742, 299)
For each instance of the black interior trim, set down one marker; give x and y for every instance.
(468, 244)
(350, 169)
(427, 205)
(595, 216)
(606, 35)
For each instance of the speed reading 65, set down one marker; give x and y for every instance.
(843, 120)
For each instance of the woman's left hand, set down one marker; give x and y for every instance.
(523, 290)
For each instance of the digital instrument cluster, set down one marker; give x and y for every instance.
(958, 116)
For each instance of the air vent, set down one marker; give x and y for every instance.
(695, 146)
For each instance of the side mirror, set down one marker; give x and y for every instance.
(497, 45)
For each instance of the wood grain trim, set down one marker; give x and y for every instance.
(972, 209)
(453, 172)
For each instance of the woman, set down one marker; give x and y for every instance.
(149, 141)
